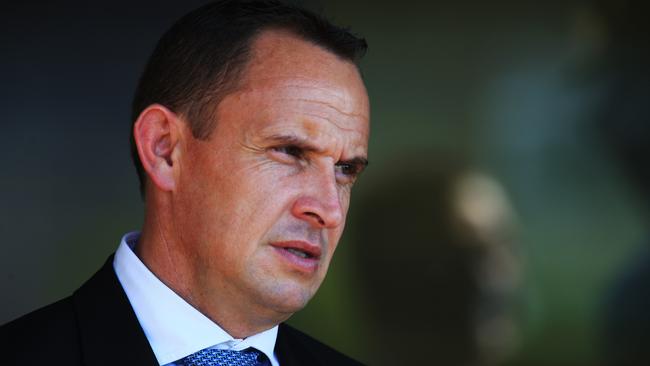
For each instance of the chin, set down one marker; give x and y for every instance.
(288, 299)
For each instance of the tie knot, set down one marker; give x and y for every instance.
(222, 357)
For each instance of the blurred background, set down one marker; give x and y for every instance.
(503, 219)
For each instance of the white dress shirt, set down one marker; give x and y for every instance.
(173, 327)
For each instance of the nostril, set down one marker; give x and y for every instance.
(316, 216)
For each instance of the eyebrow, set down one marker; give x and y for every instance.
(289, 139)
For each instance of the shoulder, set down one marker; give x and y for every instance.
(303, 347)
(52, 330)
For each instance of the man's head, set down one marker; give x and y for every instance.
(246, 205)
(201, 57)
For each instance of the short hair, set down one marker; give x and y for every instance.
(201, 58)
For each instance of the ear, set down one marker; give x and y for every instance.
(157, 133)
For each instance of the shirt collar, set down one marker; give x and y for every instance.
(174, 328)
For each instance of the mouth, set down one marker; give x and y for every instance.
(299, 255)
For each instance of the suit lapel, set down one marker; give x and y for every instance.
(109, 330)
(283, 350)
(290, 350)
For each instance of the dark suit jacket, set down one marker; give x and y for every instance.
(97, 326)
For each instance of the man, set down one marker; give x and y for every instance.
(251, 124)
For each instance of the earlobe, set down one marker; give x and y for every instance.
(157, 133)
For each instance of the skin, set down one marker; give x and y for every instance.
(279, 167)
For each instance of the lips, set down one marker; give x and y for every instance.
(300, 255)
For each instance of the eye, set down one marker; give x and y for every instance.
(347, 169)
(347, 173)
(292, 150)
(287, 153)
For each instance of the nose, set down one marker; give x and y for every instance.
(320, 204)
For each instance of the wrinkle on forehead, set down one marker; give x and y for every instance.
(330, 106)
(333, 121)
(329, 103)
(321, 91)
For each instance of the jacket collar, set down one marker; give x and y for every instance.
(109, 330)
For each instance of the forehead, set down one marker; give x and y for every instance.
(290, 82)
(280, 53)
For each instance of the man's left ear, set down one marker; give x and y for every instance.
(157, 133)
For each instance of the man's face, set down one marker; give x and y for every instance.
(262, 204)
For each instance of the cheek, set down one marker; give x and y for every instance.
(254, 201)
(206, 205)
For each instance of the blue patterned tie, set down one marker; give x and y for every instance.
(223, 357)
